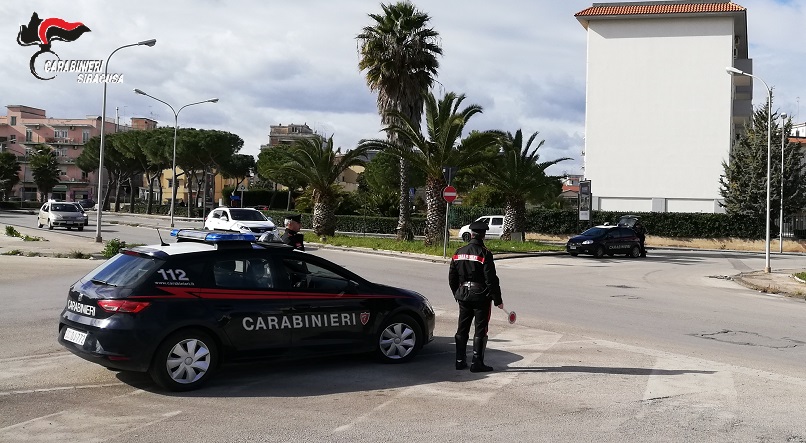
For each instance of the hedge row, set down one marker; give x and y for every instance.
(356, 223)
(565, 222)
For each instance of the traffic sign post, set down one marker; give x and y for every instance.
(449, 195)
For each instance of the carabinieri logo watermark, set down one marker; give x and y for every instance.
(44, 33)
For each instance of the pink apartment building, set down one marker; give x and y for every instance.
(24, 127)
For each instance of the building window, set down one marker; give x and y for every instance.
(84, 175)
(12, 139)
(13, 120)
(85, 136)
(60, 133)
(28, 134)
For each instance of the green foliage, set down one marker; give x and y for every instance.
(12, 232)
(77, 254)
(389, 244)
(113, 247)
(744, 183)
(9, 172)
(45, 169)
(270, 164)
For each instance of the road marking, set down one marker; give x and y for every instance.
(528, 343)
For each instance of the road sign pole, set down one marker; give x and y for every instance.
(445, 239)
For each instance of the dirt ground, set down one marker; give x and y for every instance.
(698, 243)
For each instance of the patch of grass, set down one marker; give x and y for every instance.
(13, 252)
(30, 238)
(801, 275)
(32, 254)
(391, 244)
(77, 254)
(12, 232)
(59, 255)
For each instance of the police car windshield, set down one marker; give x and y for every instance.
(64, 207)
(247, 215)
(124, 270)
(595, 232)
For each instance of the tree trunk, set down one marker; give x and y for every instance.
(435, 218)
(514, 218)
(404, 219)
(131, 196)
(324, 216)
(117, 192)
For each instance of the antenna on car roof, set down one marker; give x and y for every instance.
(162, 242)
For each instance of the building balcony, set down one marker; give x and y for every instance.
(62, 141)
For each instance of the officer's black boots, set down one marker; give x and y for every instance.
(479, 345)
(461, 352)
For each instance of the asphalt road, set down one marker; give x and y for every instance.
(608, 350)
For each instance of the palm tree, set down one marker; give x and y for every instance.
(315, 160)
(442, 147)
(399, 54)
(45, 169)
(520, 176)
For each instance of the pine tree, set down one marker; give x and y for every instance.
(744, 184)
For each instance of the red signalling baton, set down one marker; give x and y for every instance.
(511, 316)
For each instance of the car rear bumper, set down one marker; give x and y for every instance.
(118, 349)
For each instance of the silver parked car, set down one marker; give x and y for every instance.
(64, 214)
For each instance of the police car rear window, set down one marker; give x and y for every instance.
(124, 270)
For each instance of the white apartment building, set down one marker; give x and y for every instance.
(661, 111)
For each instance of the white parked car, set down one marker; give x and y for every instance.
(240, 220)
(494, 222)
(65, 214)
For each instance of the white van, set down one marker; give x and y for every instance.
(494, 222)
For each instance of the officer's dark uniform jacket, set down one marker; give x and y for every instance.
(293, 238)
(472, 274)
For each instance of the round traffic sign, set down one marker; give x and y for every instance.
(449, 193)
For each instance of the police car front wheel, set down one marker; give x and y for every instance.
(399, 339)
(184, 361)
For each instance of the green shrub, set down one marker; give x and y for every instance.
(12, 232)
(112, 247)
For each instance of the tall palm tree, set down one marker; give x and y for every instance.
(399, 54)
(315, 160)
(520, 176)
(443, 146)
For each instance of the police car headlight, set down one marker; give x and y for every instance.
(587, 242)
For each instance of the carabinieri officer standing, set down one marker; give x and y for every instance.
(474, 284)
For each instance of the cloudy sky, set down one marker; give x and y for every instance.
(279, 62)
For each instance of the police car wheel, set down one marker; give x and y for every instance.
(466, 236)
(635, 252)
(399, 339)
(80, 227)
(599, 252)
(184, 361)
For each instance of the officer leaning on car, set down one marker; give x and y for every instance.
(291, 236)
(474, 284)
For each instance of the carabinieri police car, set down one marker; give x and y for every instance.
(179, 310)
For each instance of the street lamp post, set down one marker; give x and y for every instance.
(731, 70)
(100, 205)
(784, 136)
(176, 128)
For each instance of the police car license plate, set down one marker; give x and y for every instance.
(74, 336)
(572, 247)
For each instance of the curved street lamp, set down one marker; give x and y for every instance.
(733, 71)
(176, 128)
(100, 204)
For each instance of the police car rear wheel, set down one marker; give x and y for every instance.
(635, 252)
(399, 340)
(184, 361)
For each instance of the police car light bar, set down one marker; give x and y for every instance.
(210, 237)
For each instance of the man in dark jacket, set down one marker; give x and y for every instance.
(291, 236)
(474, 284)
(640, 231)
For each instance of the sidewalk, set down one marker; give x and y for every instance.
(779, 281)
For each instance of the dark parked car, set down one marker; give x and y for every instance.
(606, 239)
(87, 203)
(178, 310)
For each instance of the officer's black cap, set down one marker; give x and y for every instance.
(478, 226)
(296, 217)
